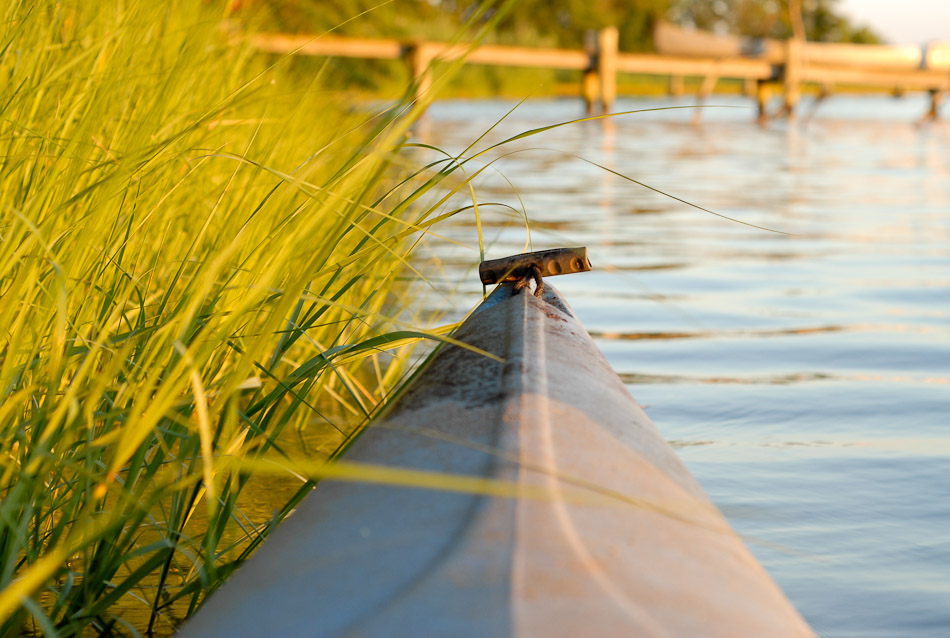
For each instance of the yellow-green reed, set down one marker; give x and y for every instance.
(197, 255)
(202, 256)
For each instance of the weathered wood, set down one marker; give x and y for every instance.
(492, 54)
(708, 85)
(590, 88)
(683, 53)
(509, 56)
(590, 81)
(936, 97)
(676, 86)
(937, 55)
(907, 80)
(864, 55)
(792, 75)
(328, 46)
(670, 39)
(587, 524)
(607, 42)
(706, 89)
(419, 57)
(749, 87)
(692, 58)
(523, 56)
(762, 95)
(651, 63)
(796, 19)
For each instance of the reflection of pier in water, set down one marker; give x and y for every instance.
(766, 66)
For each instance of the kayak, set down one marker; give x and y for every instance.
(565, 512)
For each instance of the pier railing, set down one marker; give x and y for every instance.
(766, 66)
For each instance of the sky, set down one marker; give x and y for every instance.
(902, 21)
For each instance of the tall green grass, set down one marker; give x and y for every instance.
(198, 256)
(203, 258)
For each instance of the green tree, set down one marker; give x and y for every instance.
(770, 18)
(564, 23)
(527, 22)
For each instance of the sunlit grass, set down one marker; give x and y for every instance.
(197, 257)
(203, 262)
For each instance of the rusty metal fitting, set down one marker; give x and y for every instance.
(538, 282)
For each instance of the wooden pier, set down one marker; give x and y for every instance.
(766, 66)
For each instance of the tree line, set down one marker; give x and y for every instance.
(563, 22)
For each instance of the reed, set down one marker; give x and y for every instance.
(199, 259)
(203, 261)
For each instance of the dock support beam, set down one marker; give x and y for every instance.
(794, 56)
(749, 87)
(607, 47)
(936, 97)
(418, 56)
(599, 83)
(676, 87)
(590, 83)
(763, 93)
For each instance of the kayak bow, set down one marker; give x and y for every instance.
(588, 523)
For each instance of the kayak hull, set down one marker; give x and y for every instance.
(574, 517)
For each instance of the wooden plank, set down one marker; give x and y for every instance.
(863, 55)
(491, 54)
(909, 80)
(670, 39)
(328, 46)
(936, 97)
(650, 63)
(938, 55)
(501, 55)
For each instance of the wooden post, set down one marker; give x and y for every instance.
(676, 85)
(749, 87)
(762, 99)
(936, 97)
(794, 50)
(797, 19)
(708, 86)
(794, 56)
(418, 56)
(607, 40)
(705, 90)
(590, 82)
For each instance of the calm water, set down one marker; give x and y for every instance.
(804, 379)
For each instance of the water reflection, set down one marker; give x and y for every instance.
(802, 377)
(922, 446)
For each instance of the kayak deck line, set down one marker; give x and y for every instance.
(617, 539)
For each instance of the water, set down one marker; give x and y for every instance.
(803, 378)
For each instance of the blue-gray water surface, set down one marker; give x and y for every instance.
(804, 378)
